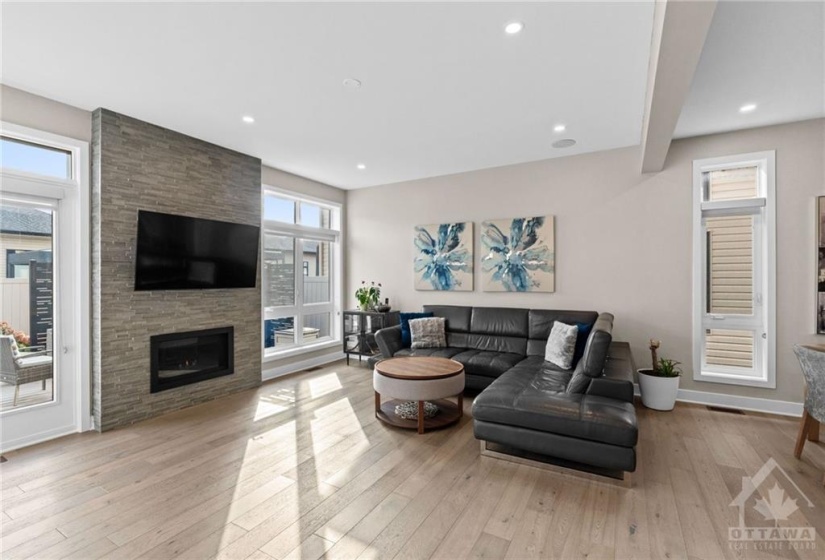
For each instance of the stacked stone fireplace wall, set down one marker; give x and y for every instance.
(136, 165)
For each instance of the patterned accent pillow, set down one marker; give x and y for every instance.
(429, 332)
(15, 350)
(561, 345)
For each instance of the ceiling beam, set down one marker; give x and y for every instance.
(679, 31)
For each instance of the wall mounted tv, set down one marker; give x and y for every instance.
(181, 253)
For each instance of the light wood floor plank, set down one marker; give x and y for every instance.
(489, 546)
(437, 523)
(301, 468)
(355, 541)
(531, 534)
(509, 511)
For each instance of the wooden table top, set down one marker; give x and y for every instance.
(420, 368)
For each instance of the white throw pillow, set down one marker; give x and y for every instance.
(561, 345)
(428, 332)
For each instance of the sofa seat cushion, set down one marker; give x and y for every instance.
(539, 402)
(429, 352)
(487, 364)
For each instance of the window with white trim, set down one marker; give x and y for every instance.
(734, 270)
(301, 273)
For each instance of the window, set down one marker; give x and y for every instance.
(15, 269)
(734, 270)
(37, 159)
(301, 273)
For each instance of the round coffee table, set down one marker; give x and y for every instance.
(419, 379)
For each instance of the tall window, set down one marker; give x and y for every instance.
(734, 270)
(301, 273)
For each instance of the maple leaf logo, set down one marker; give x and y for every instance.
(777, 507)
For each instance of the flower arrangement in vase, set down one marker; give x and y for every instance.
(368, 296)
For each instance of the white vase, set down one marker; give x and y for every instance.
(658, 393)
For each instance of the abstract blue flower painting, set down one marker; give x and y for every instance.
(518, 255)
(444, 257)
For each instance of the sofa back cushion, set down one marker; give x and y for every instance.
(595, 351)
(457, 316)
(499, 321)
(522, 331)
(489, 329)
(540, 323)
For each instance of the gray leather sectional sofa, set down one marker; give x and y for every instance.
(584, 415)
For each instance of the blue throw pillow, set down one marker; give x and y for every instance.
(581, 340)
(406, 337)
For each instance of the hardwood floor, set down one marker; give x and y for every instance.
(300, 468)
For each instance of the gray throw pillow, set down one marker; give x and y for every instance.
(428, 332)
(561, 345)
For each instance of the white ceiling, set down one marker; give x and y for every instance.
(444, 89)
(768, 53)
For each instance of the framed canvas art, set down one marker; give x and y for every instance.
(444, 257)
(518, 255)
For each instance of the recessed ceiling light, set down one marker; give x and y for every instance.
(566, 143)
(352, 83)
(247, 119)
(361, 166)
(513, 27)
(559, 128)
(747, 108)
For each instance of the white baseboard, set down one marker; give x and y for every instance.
(26, 441)
(273, 373)
(754, 404)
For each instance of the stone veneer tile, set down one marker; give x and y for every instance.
(136, 165)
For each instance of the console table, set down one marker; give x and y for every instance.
(360, 328)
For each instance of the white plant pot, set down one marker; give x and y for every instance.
(658, 393)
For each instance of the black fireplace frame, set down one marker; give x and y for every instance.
(159, 383)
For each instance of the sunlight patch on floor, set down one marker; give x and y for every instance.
(265, 409)
(279, 440)
(273, 403)
(324, 384)
(342, 410)
(358, 441)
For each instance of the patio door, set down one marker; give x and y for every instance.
(44, 362)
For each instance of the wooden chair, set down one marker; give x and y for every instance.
(18, 367)
(812, 361)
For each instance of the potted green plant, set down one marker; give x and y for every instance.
(368, 295)
(659, 385)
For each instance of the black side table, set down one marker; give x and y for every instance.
(360, 328)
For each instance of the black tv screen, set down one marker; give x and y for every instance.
(180, 253)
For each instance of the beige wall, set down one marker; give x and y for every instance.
(26, 109)
(623, 240)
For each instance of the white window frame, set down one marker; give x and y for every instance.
(75, 233)
(764, 289)
(300, 233)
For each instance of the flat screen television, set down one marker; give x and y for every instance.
(181, 253)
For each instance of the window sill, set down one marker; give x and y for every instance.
(305, 349)
(727, 379)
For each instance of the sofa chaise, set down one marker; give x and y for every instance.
(583, 415)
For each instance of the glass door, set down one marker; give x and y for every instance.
(44, 287)
(27, 294)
